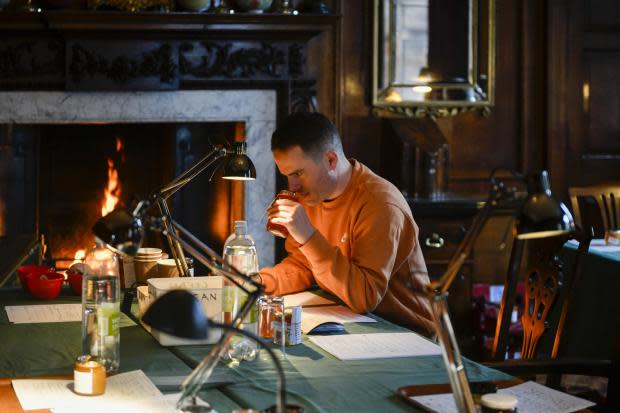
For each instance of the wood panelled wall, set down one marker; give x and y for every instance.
(546, 52)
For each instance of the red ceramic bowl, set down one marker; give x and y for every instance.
(45, 286)
(75, 281)
(23, 271)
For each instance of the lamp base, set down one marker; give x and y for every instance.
(194, 408)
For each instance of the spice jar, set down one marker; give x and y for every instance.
(280, 230)
(88, 376)
(270, 313)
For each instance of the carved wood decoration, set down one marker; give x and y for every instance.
(91, 64)
(239, 60)
(150, 52)
(543, 280)
(27, 62)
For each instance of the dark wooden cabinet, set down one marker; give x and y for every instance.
(443, 225)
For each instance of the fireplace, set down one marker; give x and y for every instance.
(146, 138)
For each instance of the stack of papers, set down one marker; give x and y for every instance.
(125, 392)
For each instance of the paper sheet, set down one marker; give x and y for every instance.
(44, 313)
(532, 398)
(315, 316)
(163, 404)
(121, 389)
(304, 299)
(376, 346)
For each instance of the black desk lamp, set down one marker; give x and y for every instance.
(123, 231)
(540, 216)
(179, 313)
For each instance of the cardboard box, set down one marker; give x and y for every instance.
(207, 289)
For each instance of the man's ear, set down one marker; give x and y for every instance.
(331, 157)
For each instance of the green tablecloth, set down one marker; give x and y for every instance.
(28, 350)
(315, 379)
(322, 383)
(594, 315)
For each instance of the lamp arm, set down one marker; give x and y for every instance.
(201, 249)
(281, 392)
(192, 172)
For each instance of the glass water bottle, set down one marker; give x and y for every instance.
(240, 252)
(101, 307)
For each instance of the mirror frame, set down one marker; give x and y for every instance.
(434, 109)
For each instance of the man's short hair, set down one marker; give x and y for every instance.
(312, 131)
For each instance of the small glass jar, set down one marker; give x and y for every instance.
(270, 312)
(280, 230)
(88, 376)
(498, 403)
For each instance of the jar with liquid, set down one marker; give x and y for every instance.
(280, 230)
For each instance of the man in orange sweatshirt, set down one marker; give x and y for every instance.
(351, 231)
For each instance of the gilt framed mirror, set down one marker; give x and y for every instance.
(433, 57)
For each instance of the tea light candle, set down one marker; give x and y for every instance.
(88, 376)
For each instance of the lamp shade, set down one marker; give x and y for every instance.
(178, 313)
(121, 231)
(542, 215)
(239, 166)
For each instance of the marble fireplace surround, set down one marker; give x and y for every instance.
(257, 108)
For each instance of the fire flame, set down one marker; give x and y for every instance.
(112, 192)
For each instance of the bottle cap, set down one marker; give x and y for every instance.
(499, 401)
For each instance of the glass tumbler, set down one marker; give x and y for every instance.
(280, 230)
(270, 317)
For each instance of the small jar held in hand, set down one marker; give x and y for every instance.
(280, 230)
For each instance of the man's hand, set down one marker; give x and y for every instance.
(293, 216)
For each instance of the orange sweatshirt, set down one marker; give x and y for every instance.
(365, 251)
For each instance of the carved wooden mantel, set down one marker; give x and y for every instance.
(85, 51)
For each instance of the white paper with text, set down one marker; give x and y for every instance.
(531, 398)
(376, 346)
(121, 389)
(44, 313)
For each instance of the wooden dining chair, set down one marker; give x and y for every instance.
(549, 291)
(607, 197)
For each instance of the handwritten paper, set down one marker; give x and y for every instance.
(315, 316)
(304, 299)
(376, 346)
(443, 403)
(534, 397)
(44, 313)
(121, 389)
(531, 398)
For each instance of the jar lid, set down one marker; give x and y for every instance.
(499, 401)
